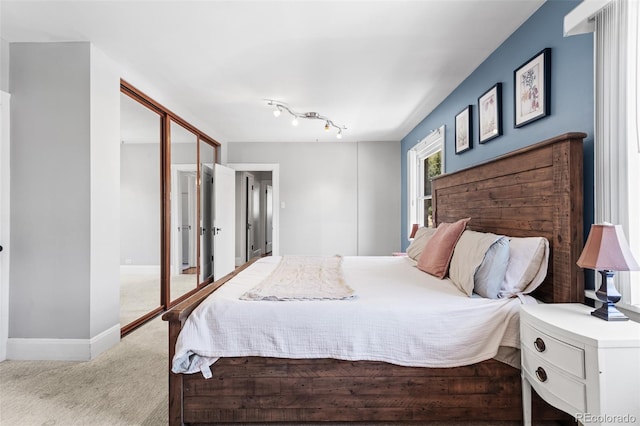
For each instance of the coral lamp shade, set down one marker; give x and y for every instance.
(607, 250)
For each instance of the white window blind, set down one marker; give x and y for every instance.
(616, 141)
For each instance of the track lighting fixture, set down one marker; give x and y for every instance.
(328, 123)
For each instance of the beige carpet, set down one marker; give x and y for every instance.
(127, 385)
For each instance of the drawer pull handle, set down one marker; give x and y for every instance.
(539, 345)
(541, 374)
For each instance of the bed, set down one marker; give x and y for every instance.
(534, 191)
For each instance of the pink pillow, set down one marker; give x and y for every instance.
(437, 253)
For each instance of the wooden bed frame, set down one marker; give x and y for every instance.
(537, 191)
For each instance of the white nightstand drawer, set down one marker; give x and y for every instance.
(552, 384)
(562, 355)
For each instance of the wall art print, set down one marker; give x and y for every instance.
(463, 130)
(531, 83)
(490, 114)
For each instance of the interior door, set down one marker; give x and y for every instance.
(268, 226)
(249, 216)
(206, 220)
(224, 240)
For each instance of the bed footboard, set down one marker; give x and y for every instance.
(253, 389)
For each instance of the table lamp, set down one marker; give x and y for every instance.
(607, 251)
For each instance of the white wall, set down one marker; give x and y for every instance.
(64, 300)
(331, 203)
(5, 221)
(104, 198)
(378, 198)
(4, 65)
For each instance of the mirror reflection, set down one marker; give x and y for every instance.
(184, 210)
(207, 230)
(140, 215)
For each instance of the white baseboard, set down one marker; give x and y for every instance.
(140, 269)
(62, 349)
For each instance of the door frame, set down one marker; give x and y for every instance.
(5, 222)
(274, 168)
(248, 183)
(176, 240)
(264, 188)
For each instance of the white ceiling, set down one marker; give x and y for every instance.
(376, 67)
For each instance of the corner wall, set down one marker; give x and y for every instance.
(572, 99)
(64, 288)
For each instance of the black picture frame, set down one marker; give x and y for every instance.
(463, 130)
(490, 114)
(532, 89)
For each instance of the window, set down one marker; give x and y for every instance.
(616, 26)
(424, 161)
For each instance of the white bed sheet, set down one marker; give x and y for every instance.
(401, 315)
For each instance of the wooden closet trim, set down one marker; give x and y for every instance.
(166, 116)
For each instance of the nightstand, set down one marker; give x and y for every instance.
(580, 364)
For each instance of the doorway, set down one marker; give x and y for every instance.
(257, 210)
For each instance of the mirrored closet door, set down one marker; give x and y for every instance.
(184, 210)
(207, 229)
(167, 208)
(140, 212)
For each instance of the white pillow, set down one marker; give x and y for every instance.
(479, 263)
(423, 234)
(527, 268)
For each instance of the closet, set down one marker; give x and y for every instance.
(166, 208)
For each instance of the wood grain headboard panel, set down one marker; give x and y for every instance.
(534, 191)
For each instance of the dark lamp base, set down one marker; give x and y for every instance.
(608, 295)
(609, 313)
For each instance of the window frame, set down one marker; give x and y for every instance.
(416, 156)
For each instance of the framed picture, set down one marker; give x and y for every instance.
(532, 89)
(463, 130)
(490, 113)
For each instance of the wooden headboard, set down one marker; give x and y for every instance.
(534, 191)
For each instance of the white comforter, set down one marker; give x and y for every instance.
(401, 315)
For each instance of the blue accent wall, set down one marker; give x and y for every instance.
(572, 99)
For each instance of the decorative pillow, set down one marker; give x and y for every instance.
(527, 268)
(479, 263)
(490, 275)
(423, 234)
(436, 256)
